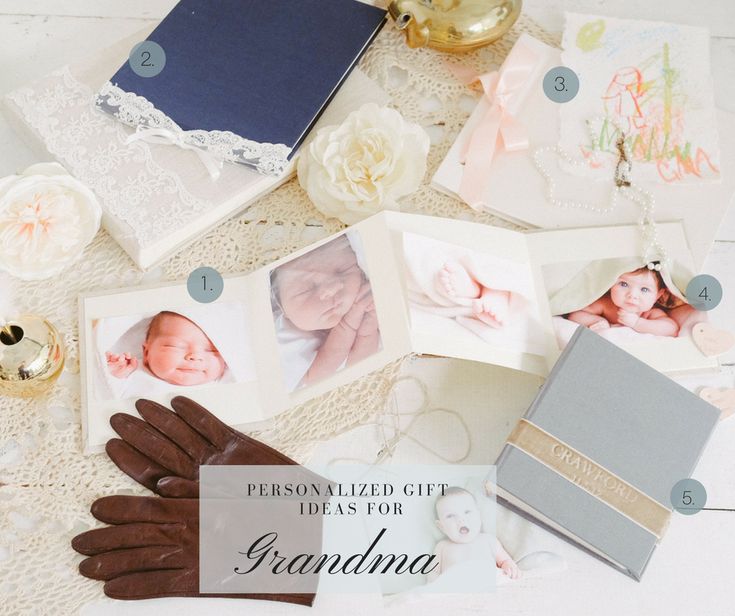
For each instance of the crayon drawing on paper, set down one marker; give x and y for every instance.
(648, 82)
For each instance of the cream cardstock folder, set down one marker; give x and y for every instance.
(348, 305)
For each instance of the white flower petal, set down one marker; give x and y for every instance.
(364, 165)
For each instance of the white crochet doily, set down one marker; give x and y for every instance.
(47, 485)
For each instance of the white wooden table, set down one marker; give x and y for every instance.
(692, 571)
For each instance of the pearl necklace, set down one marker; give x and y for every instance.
(654, 252)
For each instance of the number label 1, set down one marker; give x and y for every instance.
(205, 285)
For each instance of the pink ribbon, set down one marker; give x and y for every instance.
(505, 89)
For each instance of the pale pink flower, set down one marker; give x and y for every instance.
(46, 220)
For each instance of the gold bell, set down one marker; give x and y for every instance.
(454, 25)
(31, 356)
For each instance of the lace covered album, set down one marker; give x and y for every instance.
(156, 197)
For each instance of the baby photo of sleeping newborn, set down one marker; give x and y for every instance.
(172, 350)
(176, 350)
(324, 312)
(620, 299)
(468, 296)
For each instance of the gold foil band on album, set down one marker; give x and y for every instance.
(591, 477)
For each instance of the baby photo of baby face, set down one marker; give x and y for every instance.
(171, 350)
(620, 299)
(466, 295)
(465, 544)
(323, 310)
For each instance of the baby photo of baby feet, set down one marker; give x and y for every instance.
(471, 299)
(490, 306)
(456, 282)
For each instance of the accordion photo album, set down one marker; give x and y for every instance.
(390, 286)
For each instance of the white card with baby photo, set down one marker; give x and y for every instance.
(552, 281)
(471, 293)
(391, 285)
(327, 315)
(158, 343)
(599, 279)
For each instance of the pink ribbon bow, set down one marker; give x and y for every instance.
(505, 89)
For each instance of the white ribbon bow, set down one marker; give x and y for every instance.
(213, 162)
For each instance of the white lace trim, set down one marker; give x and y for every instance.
(135, 110)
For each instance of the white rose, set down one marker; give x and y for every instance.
(47, 218)
(364, 165)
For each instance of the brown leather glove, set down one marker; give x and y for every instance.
(151, 550)
(164, 452)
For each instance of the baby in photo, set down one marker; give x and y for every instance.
(170, 351)
(176, 350)
(639, 300)
(470, 298)
(490, 306)
(324, 312)
(458, 517)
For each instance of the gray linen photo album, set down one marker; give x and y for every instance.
(596, 456)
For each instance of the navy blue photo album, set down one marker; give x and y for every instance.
(243, 79)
